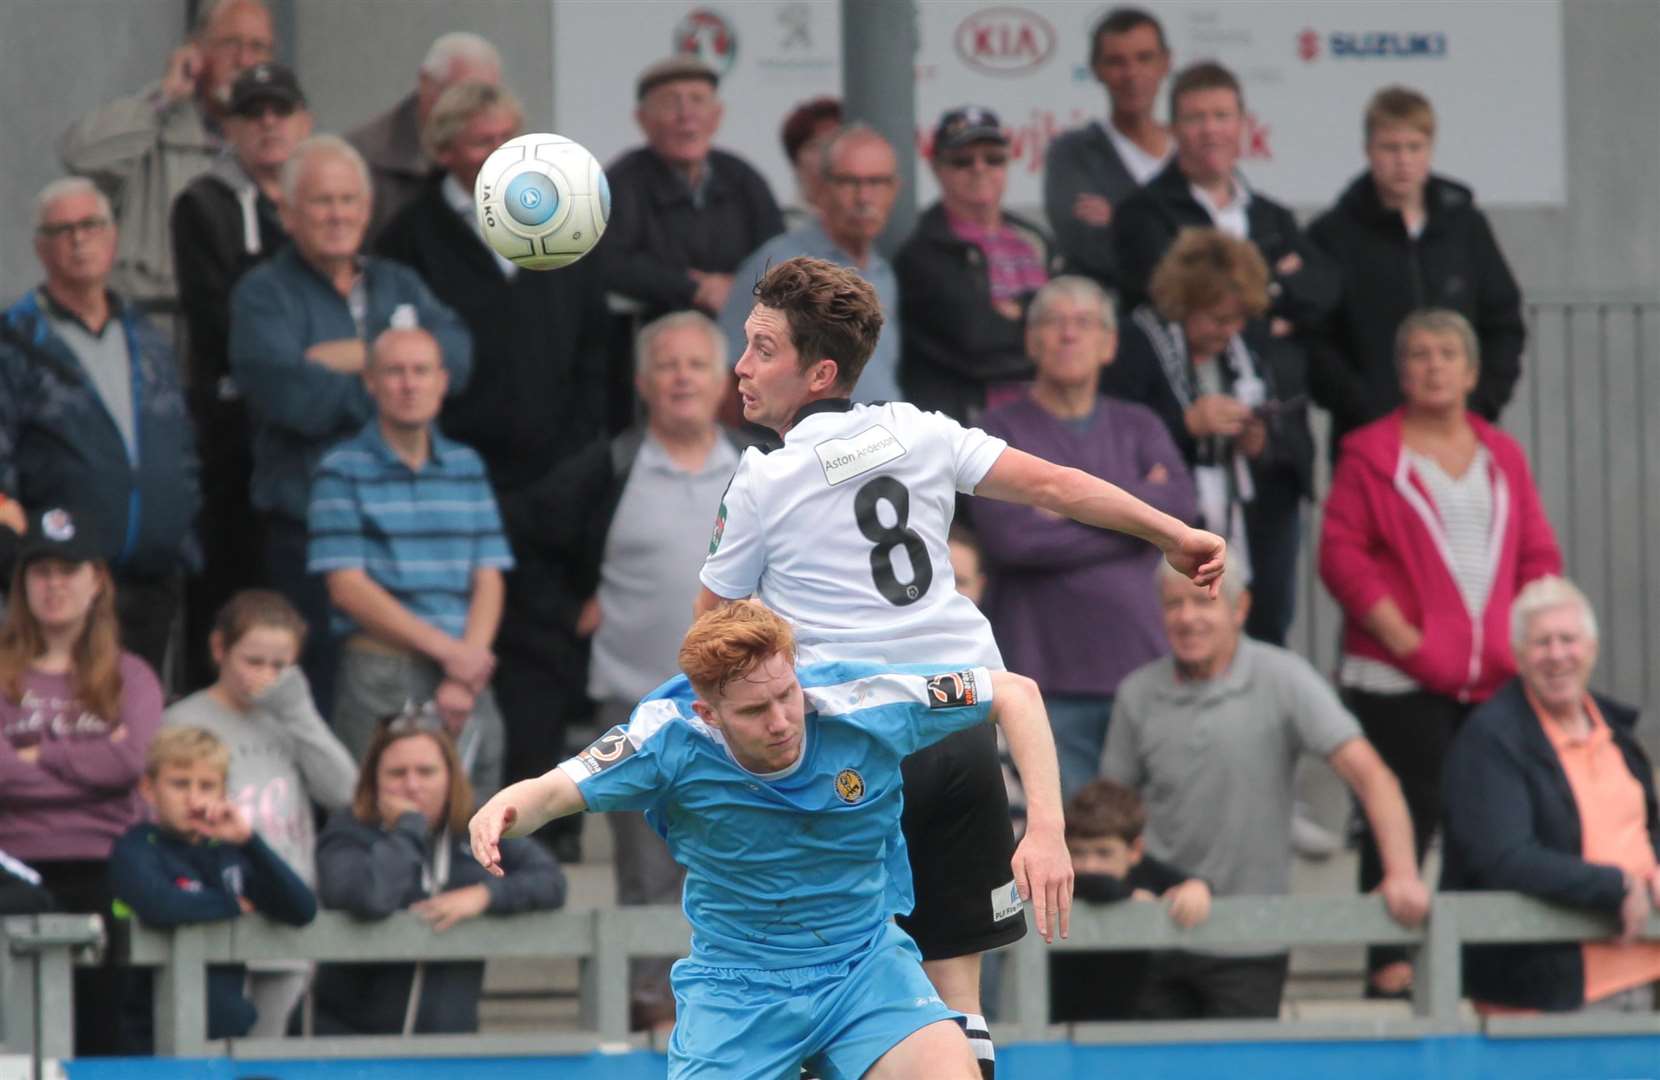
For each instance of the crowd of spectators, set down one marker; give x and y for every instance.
(278, 427)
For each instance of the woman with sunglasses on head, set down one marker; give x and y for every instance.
(966, 275)
(76, 713)
(403, 844)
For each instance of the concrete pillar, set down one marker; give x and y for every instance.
(879, 46)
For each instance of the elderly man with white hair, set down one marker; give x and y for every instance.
(1549, 793)
(1210, 736)
(399, 162)
(300, 327)
(1070, 604)
(92, 417)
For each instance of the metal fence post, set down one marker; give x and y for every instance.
(181, 995)
(1438, 983)
(607, 969)
(1028, 963)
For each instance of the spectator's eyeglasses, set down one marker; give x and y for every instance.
(85, 227)
(1080, 323)
(413, 718)
(995, 159)
(848, 182)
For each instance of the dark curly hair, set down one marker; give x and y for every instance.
(833, 313)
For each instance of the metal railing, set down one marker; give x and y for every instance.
(603, 941)
(37, 986)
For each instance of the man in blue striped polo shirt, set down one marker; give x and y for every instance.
(405, 530)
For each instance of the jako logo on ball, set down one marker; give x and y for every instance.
(1005, 40)
(542, 201)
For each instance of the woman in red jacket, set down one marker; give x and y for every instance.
(1431, 528)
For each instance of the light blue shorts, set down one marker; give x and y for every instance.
(751, 1024)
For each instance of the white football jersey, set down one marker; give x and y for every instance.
(843, 530)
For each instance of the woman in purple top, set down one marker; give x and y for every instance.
(1076, 608)
(76, 714)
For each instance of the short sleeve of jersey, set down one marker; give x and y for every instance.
(973, 452)
(737, 547)
(1322, 723)
(907, 708)
(630, 766)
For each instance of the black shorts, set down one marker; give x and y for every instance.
(957, 830)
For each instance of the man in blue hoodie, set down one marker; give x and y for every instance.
(91, 415)
(200, 862)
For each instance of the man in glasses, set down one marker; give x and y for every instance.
(966, 275)
(144, 149)
(223, 224)
(858, 181)
(91, 414)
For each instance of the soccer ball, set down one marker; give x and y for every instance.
(542, 201)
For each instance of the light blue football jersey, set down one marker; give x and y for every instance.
(798, 867)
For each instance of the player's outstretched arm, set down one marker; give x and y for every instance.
(1019, 477)
(1042, 867)
(519, 810)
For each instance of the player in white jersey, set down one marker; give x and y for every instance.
(843, 531)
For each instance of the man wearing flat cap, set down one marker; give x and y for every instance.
(966, 274)
(224, 223)
(684, 214)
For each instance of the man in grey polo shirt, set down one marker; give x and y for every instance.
(624, 522)
(1210, 736)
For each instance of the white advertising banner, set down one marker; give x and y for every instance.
(1493, 70)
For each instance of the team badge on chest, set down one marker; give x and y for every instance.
(850, 786)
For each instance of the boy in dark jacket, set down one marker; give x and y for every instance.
(1104, 822)
(199, 862)
(1405, 240)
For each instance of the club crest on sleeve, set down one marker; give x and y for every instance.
(952, 690)
(850, 786)
(606, 751)
(720, 529)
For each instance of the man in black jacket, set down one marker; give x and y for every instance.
(1405, 240)
(223, 223)
(966, 274)
(1092, 168)
(1202, 188)
(684, 214)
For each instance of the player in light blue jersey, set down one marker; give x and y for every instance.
(779, 790)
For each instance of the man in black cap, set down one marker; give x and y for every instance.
(225, 222)
(684, 214)
(966, 275)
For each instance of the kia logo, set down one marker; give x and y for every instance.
(1005, 41)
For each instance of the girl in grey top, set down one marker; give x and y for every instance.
(283, 756)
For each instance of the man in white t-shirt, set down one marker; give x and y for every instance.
(843, 531)
(1090, 169)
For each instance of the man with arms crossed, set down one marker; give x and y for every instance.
(778, 788)
(843, 530)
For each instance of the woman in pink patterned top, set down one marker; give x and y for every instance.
(76, 713)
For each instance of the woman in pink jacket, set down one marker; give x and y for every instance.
(1431, 528)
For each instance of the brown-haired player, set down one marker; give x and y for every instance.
(843, 531)
(778, 787)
